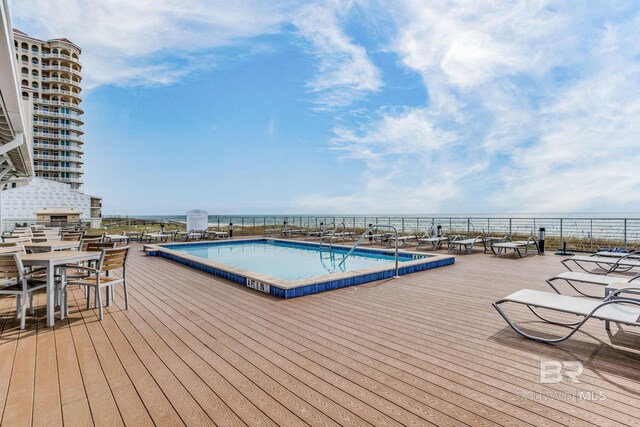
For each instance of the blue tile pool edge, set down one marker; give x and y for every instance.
(304, 290)
(295, 244)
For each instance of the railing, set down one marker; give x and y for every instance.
(57, 103)
(60, 92)
(10, 224)
(56, 146)
(57, 136)
(59, 79)
(586, 234)
(56, 114)
(60, 68)
(333, 233)
(365, 235)
(58, 168)
(70, 180)
(60, 56)
(55, 55)
(39, 156)
(57, 125)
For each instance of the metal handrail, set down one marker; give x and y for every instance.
(364, 235)
(333, 233)
(325, 228)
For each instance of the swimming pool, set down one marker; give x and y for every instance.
(287, 269)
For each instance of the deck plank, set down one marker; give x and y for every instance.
(102, 404)
(8, 345)
(127, 400)
(48, 408)
(18, 409)
(424, 349)
(205, 340)
(77, 413)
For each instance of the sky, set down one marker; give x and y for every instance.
(381, 106)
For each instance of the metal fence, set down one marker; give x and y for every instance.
(579, 234)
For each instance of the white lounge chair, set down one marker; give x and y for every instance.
(605, 264)
(521, 247)
(344, 235)
(195, 235)
(215, 234)
(435, 242)
(464, 245)
(163, 237)
(574, 277)
(405, 240)
(612, 254)
(313, 234)
(612, 309)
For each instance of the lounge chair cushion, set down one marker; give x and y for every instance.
(577, 305)
(596, 279)
(465, 241)
(513, 245)
(605, 260)
(434, 239)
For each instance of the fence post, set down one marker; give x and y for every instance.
(591, 234)
(625, 233)
(468, 228)
(510, 229)
(403, 224)
(561, 236)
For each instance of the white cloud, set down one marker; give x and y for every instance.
(160, 41)
(345, 72)
(412, 165)
(586, 152)
(533, 106)
(148, 41)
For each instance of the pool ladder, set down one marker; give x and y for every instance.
(365, 235)
(332, 232)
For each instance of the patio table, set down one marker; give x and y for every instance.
(51, 260)
(50, 246)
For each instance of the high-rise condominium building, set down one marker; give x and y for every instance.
(50, 74)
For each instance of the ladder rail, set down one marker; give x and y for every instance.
(364, 235)
(333, 233)
(326, 226)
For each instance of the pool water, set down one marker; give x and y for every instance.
(286, 261)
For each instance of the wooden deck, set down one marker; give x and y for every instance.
(425, 349)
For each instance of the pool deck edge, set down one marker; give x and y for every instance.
(291, 289)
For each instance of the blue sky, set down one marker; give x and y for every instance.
(356, 106)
